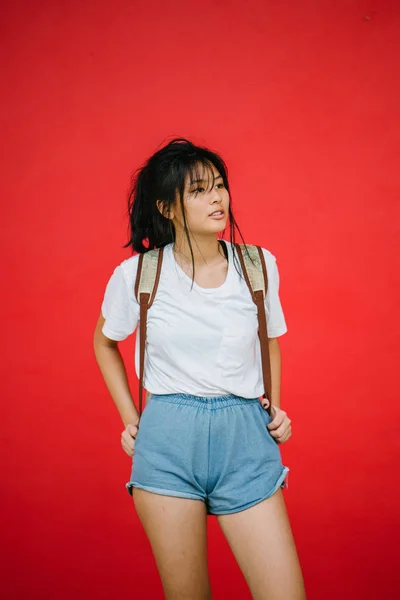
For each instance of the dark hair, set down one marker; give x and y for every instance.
(160, 178)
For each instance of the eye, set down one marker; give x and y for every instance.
(202, 189)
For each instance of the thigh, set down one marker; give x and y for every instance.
(261, 540)
(177, 532)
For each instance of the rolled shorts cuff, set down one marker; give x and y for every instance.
(282, 482)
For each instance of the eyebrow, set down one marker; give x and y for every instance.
(203, 180)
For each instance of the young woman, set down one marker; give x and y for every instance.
(204, 444)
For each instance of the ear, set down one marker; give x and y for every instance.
(163, 208)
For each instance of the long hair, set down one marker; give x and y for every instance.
(161, 177)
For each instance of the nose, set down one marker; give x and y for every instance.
(216, 196)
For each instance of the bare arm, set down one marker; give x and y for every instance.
(112, 367)
(276, 363)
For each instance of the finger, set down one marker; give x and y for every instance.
(280, 431)
(288, 436)
(132, 429)
(127, 436)
(285, 435)
(127, 441)
(285, 438)
(278, 420)
(127, 449)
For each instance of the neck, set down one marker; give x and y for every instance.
(205, 249)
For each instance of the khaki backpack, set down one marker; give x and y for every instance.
(255, 273)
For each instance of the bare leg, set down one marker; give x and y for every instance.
(261, 540)
(177, 532)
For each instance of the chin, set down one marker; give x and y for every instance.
(219, 228)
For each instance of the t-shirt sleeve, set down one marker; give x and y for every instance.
(276, 322)
(119, 308)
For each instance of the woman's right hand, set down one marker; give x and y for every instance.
(128, 438)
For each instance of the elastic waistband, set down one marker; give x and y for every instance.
(205, 401)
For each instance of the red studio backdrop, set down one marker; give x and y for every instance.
(302, 101)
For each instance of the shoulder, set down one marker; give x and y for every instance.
(129, 268)
(270, 264)
(126, 270)
(269, 257)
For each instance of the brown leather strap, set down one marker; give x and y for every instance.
(145, 301)
(263, 334)
(258, 299)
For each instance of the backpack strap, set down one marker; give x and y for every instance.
(147, 279)
(255, 273)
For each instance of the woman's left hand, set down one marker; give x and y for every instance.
(280, 427)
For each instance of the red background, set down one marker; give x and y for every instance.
(302, 100)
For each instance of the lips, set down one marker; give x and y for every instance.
(217, 213)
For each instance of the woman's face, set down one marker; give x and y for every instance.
(200, 200)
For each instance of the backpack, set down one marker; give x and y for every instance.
(255, 273)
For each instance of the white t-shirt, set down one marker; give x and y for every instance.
(201, 341)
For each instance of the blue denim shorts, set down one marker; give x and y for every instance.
(215, 449)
